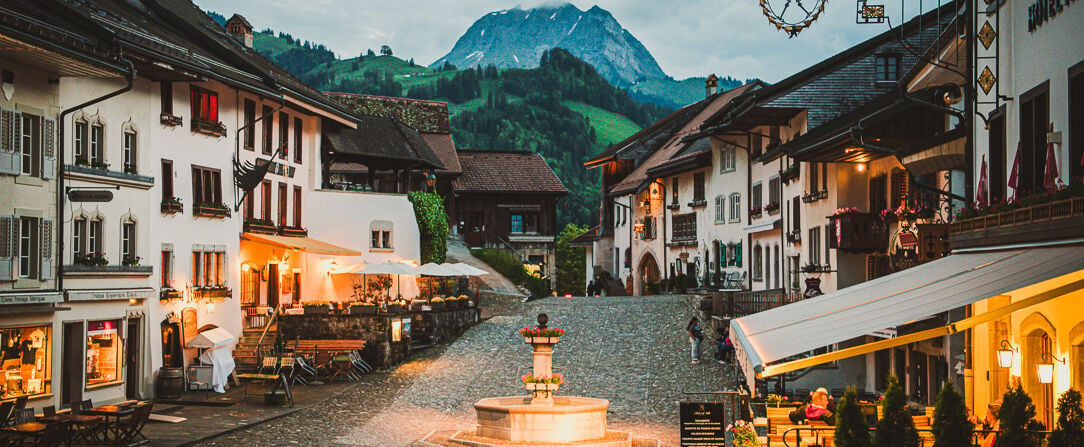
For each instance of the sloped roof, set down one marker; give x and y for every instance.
(585, 239)
(648, 139)
(382, 138)
(506, 172)
(426, 116)
(443, 146)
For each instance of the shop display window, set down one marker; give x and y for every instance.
(24, 356)
(103, 352)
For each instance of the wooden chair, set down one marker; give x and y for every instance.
(21, 401)
(49, 410)
(24, 415)
(131, 429)
(55, 434)
(88, 429)
(5, 412)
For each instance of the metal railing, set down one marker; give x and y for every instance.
(740, 304)
(263, 334)
(925, 438)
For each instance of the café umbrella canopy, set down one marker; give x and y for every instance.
(467, 269)
(432, 269)
(384, 268)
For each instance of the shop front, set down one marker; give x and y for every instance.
(26, 356)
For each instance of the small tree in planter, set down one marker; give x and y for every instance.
(1070, 429)
(851, 429)
(896, 428)
(1017, 417)
(950, 425)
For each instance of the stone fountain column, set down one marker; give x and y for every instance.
(542, 355)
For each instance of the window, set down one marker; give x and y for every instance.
(796, 214)
(901, 183)
(524, 223)
(28, 366)
(297, 206)
(97, 156)
(824, 177)
(829, 234)
(298, 126)
(684, 227)
(30, 146)
(775, 265)
(1076, 124)
(284, 133)
(250, 208)
(167, 180)
(265, 200)
(815, 246)
(674, 189)
(166, 271)
(756, 200)
(735, 207)
(1034, 119)
(250, 285)
(998, 154)
(79, 237)
(94, 237)
(197, 269)
(250, 124)
(756, 144)
(29, 254)
(727, 158)
(130, 152)
(127, 242)
(698, 187)
(720, 209)
(517, 223)
(775, 192)
(166, 90)
(381, 235)
(887, 68)
(206, 186)
(204, 105)
(814, 177)
(282, 204)
(878, 193)
(103, 352)
(81, 156)
(267, 122)
(758, 263)
(208, 268)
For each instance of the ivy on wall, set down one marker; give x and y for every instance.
(432, 225)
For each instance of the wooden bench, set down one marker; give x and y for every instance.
(328, 348)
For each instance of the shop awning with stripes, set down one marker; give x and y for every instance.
(773, 342)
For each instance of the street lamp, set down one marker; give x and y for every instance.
(1046, 368)
(1005, 354)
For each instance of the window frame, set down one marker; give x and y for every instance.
(735, 207)
(81, 135)
(29, 249)
(720, 209)
(129, 151)
(674, 193)
(265, 200)
(815, 245)
(206, 186)
(95, 236)
(168, 191)
(165, 269)
(299, 126)
(249, 136)
(727, 159)
(284, 134)
(204, 104)
(297, 206)
(30, 147)
(283, 204)
(165, 92)
(95, 148)
(699, 187)
(267, 124)
(127, 239)
(885, 72)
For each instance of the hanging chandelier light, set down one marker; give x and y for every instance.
(793, 16)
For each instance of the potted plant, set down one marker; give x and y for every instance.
(755, 211)
(536, 336)
(316, 307)
(465, 300)
(91, 260)
(550, 383)
(811, 268)
(771, 207)
(262, 226)
(130, 168)
(361, 308)
(130, 261)
(172, 205)
(744, 434)
(776, 399)
(395, 306)
(436, 304)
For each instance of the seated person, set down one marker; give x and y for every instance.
(817, 409)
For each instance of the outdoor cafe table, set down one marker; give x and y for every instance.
(112, 411)
(25, 429)
(73, 419)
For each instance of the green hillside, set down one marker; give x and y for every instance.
(609, 127)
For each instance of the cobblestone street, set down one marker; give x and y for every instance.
(630, 350)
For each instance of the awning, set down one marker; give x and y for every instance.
(301, 243)
(1030, 275)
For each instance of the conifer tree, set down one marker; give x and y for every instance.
(851, 429)
(1017, 417)
(896, 428)
(1070, 429)
(950, 425)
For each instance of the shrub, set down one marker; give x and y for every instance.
(512, 268)
(896, 428)
(1070, 429)
(571, 264)
(1017, 417)
(851, 429)
(950, 425)
(432, 225)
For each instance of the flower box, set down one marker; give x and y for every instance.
(208, 128)
(673, 206)
(212, 292)
(293, 232)
(169, 119)
(542, 386)
(394, 308)
(436, 305)
(170, 294)
(542, 340)
(696, 203)
(362, 310)
(317, 310)
(260, 227)
(172, 206)
(210, 210)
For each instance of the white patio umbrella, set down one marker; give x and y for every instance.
(467, 269)
(385, 268)
(433, 269)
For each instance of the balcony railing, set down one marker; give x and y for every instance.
(1062, 219)
(740, 304)
(859, 233)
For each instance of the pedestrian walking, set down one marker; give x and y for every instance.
(591, 288)
(696, 335)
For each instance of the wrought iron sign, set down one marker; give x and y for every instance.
(794, 15)
(867, 13)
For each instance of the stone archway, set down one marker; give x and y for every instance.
(647, 273)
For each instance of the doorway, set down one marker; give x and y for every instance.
(74, 361)
(649, 275)
(475, 229)
(273, 286)
(133, 363)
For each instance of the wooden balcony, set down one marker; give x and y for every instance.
(740, 304)
(859, 233)
(1061, 219)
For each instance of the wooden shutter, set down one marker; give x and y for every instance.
(48, 147)
(46, 249)
(737, 254)
(10, 159)
(9, 238)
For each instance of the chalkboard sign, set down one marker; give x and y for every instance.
(703, 424)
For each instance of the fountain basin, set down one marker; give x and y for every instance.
(570, 419)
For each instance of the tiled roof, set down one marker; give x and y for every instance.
(426, 116)
(506, 172)
(444, 147)
(378, 138)
(585, 239)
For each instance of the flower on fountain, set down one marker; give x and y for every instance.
(554, 379)
(536, 332)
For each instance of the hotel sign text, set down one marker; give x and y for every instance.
(1043, 10)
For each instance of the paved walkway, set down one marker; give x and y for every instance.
(630, 350)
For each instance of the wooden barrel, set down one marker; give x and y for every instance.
(170, 383)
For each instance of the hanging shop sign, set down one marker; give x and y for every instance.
(90, 195)
(1044, 10)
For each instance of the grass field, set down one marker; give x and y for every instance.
(609, 127)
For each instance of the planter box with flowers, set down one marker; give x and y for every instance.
(536, 336)
(772, 208)
(130, 261)
(436, 304)
(130, 168)
(794, 236)
(551, 383)
(756, 212)
(172, 205)
(215, 129)
(212, 292)
(790, 173)
(316, 307)
(91, 260)
(395, 306)
(362, 309)
(814, 196)
(213, 210)
(1040, 217)
(169, 119)
(260, 226)
(293, 232)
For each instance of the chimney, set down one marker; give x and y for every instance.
(240, 29)
(712, 85)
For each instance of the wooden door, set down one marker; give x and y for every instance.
(73, 363)
(475, 231)
(133, 362)
(273, 285)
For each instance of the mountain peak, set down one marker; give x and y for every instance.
(516, 38)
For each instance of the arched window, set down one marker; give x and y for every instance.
(128, 255)
(758, 263)
(250, 285)
(1038, 347)
(129, 147)
(1076, 356)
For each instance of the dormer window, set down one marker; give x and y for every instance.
(887, 68)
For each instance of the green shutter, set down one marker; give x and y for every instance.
(737, 254)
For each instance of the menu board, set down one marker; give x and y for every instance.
(703, 424)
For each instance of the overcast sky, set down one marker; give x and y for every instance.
(687, 37)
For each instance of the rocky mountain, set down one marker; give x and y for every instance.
(516, 38)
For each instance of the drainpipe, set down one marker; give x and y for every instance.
(60, 194)
(665, 265)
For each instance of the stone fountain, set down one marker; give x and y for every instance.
(542, 418)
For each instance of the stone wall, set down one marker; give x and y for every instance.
(380, 351)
